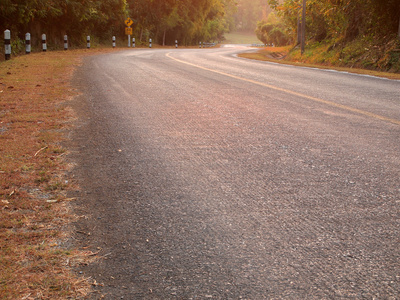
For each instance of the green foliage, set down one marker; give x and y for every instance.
(248, 12)
(188, 21)
(360, 33)
(191, 21)
(272, 31)
(17, 45)
(278, 36)
(341, 19)
(76, 18)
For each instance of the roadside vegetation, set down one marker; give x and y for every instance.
(188, 21)
(350, 33)
(280, 55)
(355, 34)
(34, 208)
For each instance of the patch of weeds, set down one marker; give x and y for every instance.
(27, 168)
(43, 177)
(354, 57)
(394, 60)
(57, 186)
(369, 65)
(59, 150)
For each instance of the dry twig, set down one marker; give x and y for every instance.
(40, 150)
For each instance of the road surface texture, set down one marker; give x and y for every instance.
(207, 176)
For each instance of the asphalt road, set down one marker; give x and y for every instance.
(207, 176)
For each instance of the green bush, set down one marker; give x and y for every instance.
(270, 33)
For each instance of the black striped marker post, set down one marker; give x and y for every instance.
(7, 44)
(113, 41)
(150, 41)
(27, 43)
(133, 43)
(44, 44)
(176, 43)
(65, 42)
(88, 41)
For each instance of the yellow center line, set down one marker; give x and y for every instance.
(330, 103)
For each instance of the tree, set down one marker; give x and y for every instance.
(248, 12)
(77, 18)
(189, 21)
(272, 31)
(185, 20)
(342, 19)
(399, 30)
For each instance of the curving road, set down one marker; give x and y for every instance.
(207, 176)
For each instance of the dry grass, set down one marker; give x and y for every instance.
(279, 54)
(34, 210)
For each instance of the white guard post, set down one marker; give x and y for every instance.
(27, 43)
(44, 43)
(65, 42)
(7, 44)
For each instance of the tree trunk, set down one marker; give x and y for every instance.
(303, 27)
(163, 41)
(399, 29)
(299, 28)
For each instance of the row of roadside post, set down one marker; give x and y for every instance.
(28, 48)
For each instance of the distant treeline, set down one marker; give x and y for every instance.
(188, 21)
